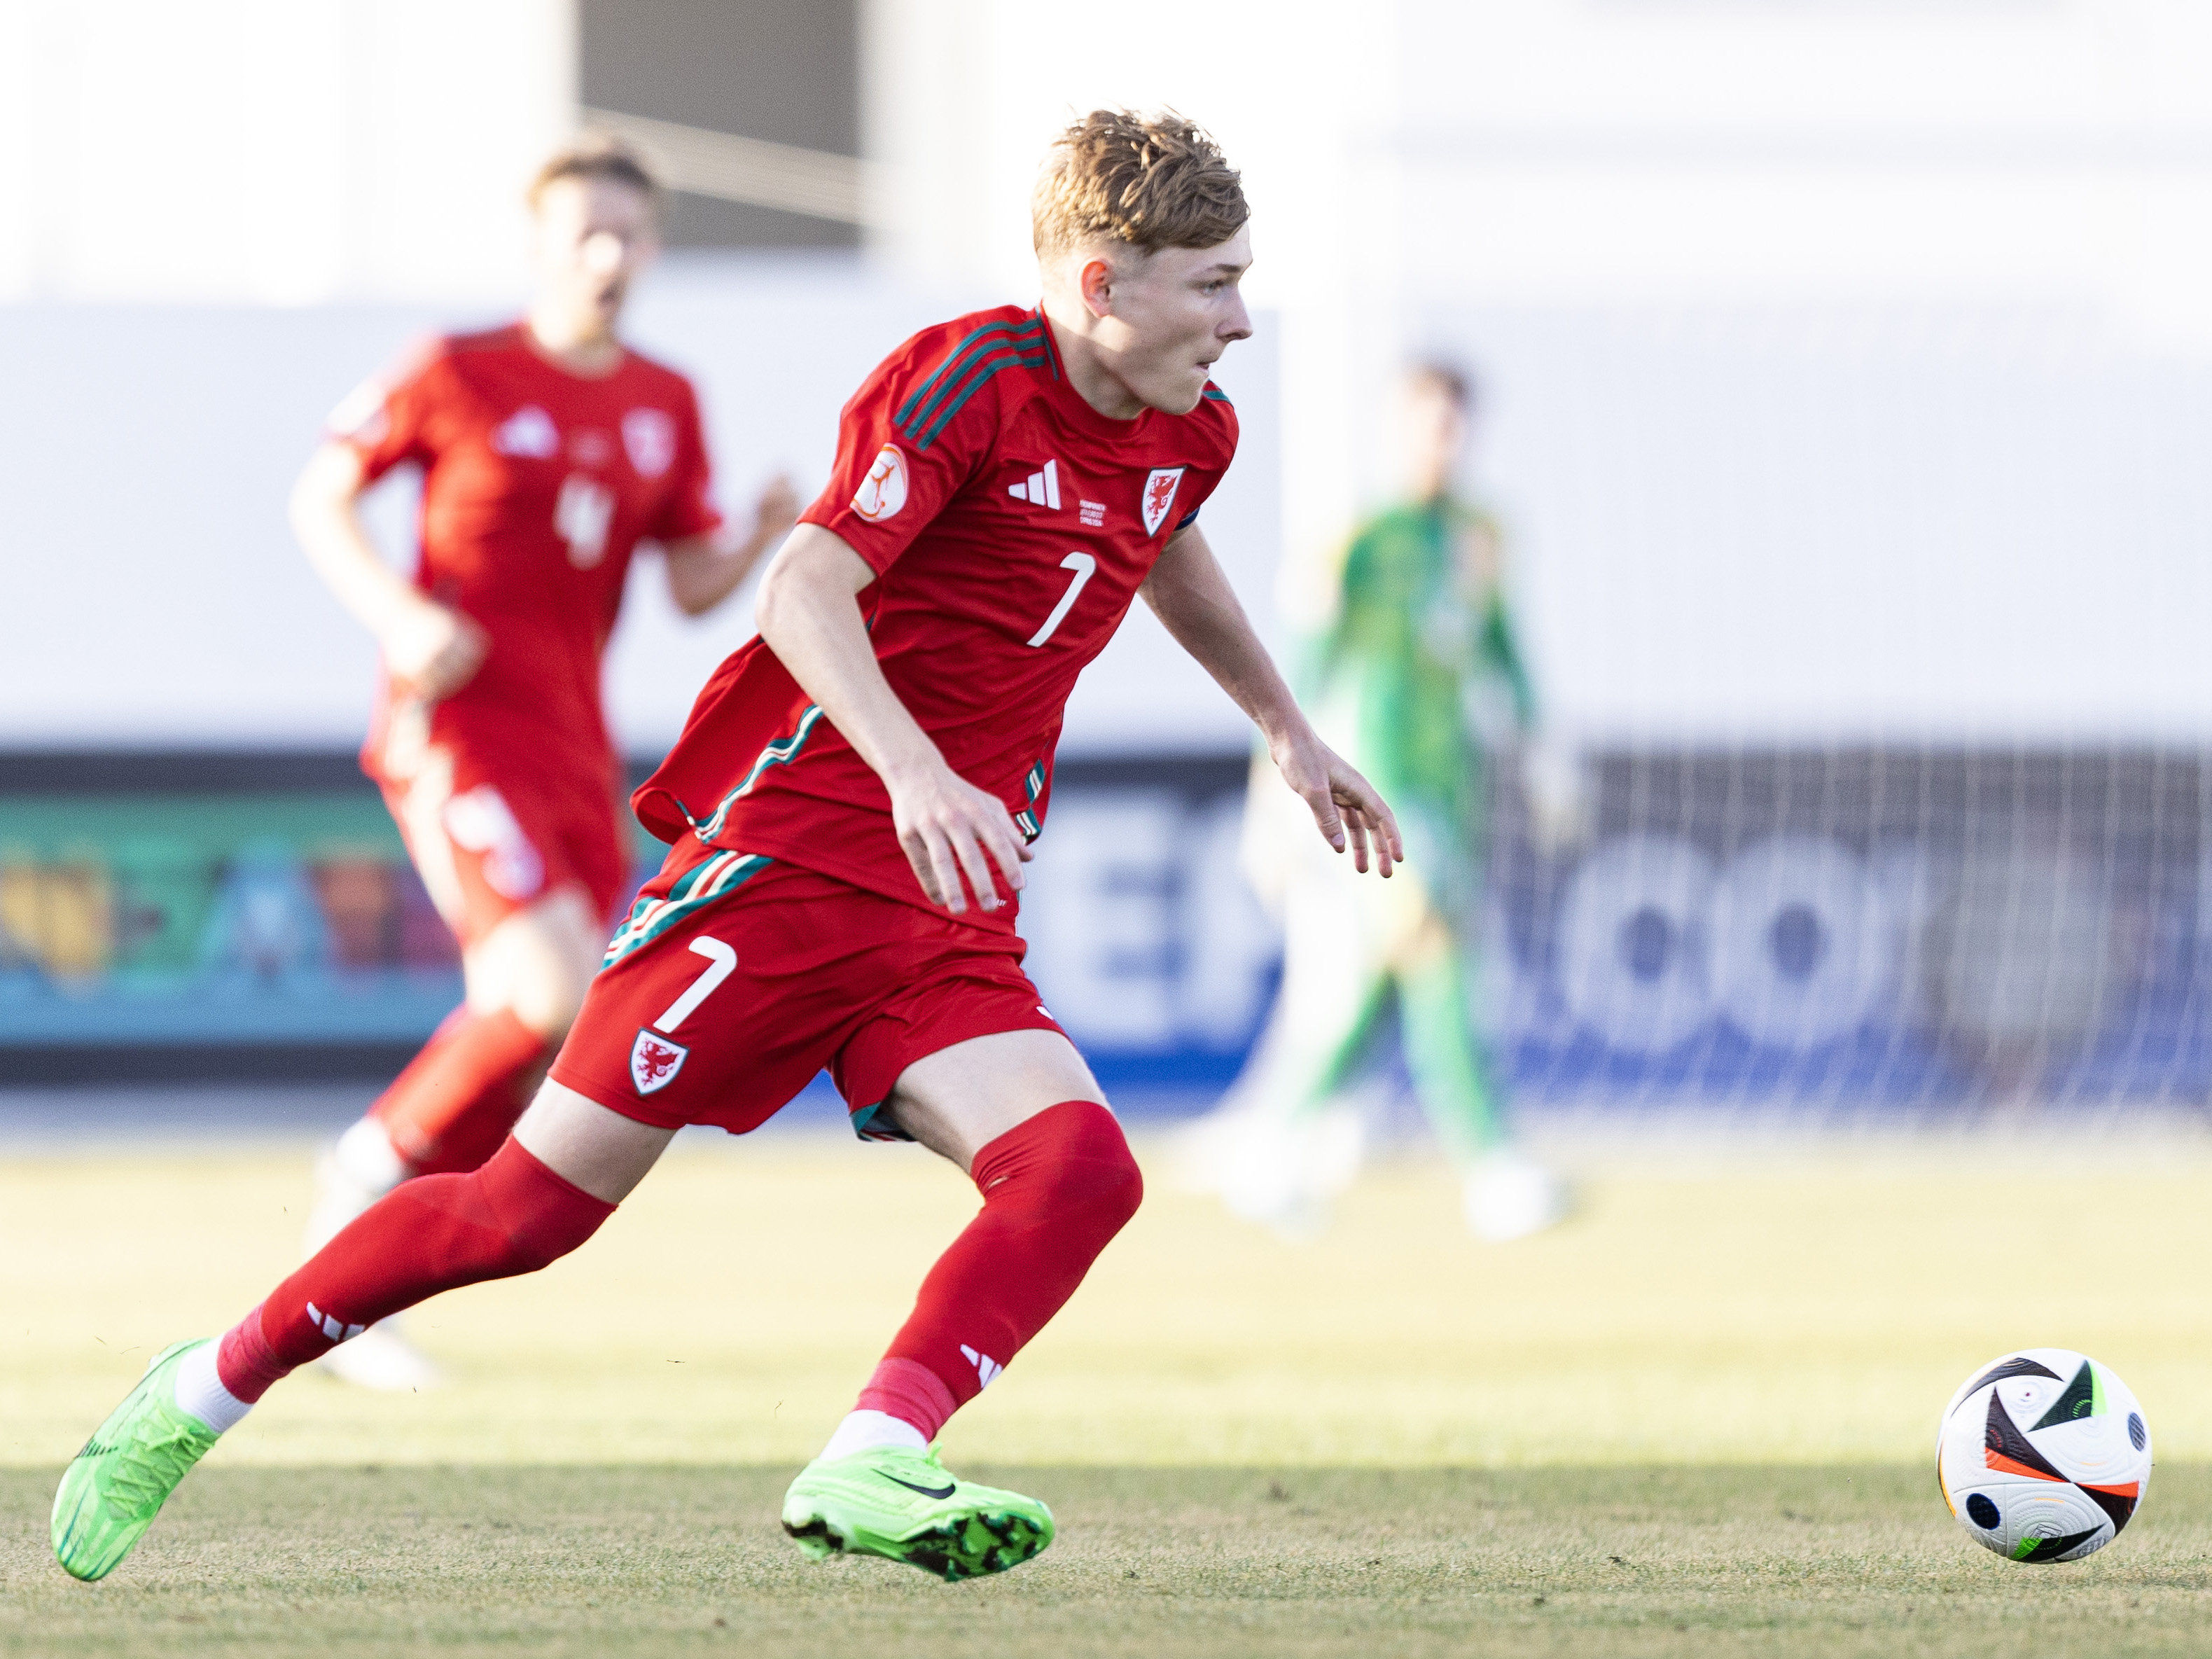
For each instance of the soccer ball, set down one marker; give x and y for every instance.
(2043, 1456)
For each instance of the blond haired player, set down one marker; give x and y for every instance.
(851, 806)
(548, 450)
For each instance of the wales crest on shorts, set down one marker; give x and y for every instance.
(654, 1061)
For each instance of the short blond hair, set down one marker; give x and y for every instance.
(1146, 181)
(599, 155)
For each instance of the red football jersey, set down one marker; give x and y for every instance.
(1010, 525)
(538, 485)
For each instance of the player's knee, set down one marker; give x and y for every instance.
(545, 989)
(538, 963)
(544, 1216)
(510, 1217)
(1122, 1189)
(1097, 1178)
(548, 1006)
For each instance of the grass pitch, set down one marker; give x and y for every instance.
(1700, 1420)
(614, 1561)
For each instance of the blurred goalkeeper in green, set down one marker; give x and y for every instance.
(1415, 676)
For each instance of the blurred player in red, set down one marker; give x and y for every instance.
(548, 451)
(852, 804)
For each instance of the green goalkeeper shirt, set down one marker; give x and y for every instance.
(1421, 638)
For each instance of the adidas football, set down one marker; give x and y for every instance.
(2043, 1456)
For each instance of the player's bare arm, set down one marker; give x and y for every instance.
(430, 647)
(1191, 595)
(704, 570)
(810, 614)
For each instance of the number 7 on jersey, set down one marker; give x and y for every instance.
(1082, 564)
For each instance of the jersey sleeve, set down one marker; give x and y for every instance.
(910, 440)
(386, 419)
(688, 506)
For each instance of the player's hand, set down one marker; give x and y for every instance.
(775, 510)
(1346, 807)
(434, 650)
(949, 829)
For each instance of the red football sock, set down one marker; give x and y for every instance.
(437, 1233)
(454, 1103)
(1056, 1189)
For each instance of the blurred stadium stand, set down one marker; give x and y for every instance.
(1900, 928)
(1889, 928)
(177, 915)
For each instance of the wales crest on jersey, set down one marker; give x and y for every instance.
(649, 435)
(1160, 486)
(654, 1061)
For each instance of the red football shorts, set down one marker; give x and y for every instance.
(489, 840)
(736, 978)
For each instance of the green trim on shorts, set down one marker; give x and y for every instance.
(716, 878)
(864, 1118)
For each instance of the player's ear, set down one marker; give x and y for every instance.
(1095, 281)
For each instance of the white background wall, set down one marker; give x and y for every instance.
(274, 152)
(1851, 523)
(1848, 363)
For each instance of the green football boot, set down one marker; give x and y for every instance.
(902, 1505)
(111, 1494)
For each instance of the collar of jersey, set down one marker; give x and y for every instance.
(528, 344)
(1063, 392)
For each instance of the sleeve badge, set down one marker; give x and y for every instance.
(882, 492)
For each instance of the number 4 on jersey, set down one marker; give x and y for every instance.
(582, 514)
(1082, 564)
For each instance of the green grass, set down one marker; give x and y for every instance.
(613, 1561)
(1815, 1310)
(1726, 1376)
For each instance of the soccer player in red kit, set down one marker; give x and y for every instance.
(548, 450)
(851, 804)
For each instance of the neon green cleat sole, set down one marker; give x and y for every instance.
(117, 1484)
(902, 1506)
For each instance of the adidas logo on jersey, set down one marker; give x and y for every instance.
(986, 1369)
(1042, 488)
(529, 431)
